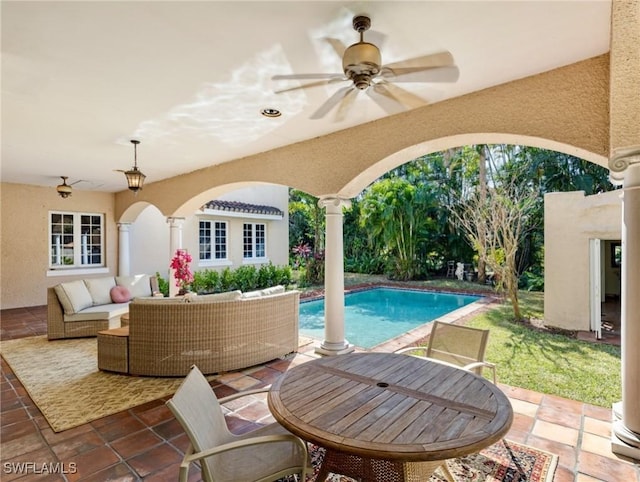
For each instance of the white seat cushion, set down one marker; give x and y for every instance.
(138, 285)
(74, 296)
(100, 289)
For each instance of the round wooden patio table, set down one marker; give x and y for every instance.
(389, 417)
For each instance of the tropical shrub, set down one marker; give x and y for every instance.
(244, 278)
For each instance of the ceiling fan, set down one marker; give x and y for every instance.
(362, 66)
(64, 190)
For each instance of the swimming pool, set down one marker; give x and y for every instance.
(377, 315)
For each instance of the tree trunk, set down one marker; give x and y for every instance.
(482, 186)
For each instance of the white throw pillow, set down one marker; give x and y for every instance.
(274, 290)
(74, 296)
(252, 294)
(100, 289)
(138, 285)
(227, 296)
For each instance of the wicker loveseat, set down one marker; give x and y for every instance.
(83, 307)
(218, 333)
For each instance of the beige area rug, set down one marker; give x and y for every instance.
(63, 380)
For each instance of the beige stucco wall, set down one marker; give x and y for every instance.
(570, 220)
(24, 263)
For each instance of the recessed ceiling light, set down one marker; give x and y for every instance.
(270, 112)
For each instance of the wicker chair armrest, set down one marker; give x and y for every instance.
(191, 456)
(491, 366)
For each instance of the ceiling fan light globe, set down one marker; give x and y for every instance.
(361, 57)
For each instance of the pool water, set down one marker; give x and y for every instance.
(377, 315)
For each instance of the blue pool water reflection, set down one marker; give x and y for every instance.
(377, 315)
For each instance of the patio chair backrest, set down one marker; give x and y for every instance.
(458, 345)
(197, 409)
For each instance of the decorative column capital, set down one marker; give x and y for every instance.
(124, 226)
(334, 204)
(175, 221)
(622, 158)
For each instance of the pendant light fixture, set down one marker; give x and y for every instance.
(135, 178)
(64, 189)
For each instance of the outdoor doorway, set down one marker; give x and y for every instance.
(605, 287)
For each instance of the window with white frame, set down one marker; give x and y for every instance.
(76, 240)
(254, 240)
(213, 240)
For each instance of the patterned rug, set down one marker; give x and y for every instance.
(505, 461)
(63, 380)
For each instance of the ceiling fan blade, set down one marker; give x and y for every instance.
(345, 104)
(337, 45)
(388, 104)
(331, 102)
(441, 59)
(306, 76)
(421, 74)
(310, 84)
(400, 95)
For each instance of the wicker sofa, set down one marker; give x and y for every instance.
(218, 333)
(83, 307)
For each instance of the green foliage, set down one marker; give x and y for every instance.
(398, 217)
(270, 275)
(306, 220)
(244, 278)
(313, 271)
(206, 281)
(365, 262)
(163, 284)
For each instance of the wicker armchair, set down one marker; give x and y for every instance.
(462, 346)
(266, 454)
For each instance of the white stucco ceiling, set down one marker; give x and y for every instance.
(188, 79)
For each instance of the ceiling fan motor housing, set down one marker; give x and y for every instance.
(361, 62)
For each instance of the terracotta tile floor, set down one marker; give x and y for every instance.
(147, 443)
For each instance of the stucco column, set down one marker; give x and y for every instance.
(334, 342)
(124, 259)
(626, 430)
(175, 243)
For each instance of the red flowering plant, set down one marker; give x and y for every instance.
(182, 273)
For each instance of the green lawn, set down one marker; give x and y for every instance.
(547, 362)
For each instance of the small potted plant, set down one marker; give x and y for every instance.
(182, 273)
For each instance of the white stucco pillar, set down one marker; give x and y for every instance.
(124, 257)
(626, 429)
(175, 243)
(334, 341)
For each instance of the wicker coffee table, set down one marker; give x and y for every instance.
(389, 417)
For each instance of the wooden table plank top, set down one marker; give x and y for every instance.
(390, 406)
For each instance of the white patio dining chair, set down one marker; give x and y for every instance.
(461, 346)
(266, 454)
